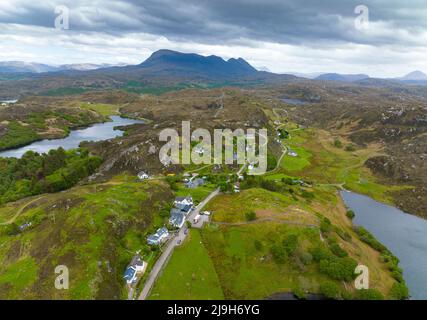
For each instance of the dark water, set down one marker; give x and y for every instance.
(96, 132)
(294, 102)
(403, 234)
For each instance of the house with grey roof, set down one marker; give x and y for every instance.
(135, 268)
(194, 183)
(177, 218)
(159, 237)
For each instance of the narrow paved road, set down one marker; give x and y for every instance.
(170, 246)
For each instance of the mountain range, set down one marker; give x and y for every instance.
(168, 63)
(32, 67)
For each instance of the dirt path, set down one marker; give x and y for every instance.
(18, 213)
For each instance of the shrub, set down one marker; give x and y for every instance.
(300, 294)
(338, 143)
(368, 294)
(325, 225)
(250, 216)
(319, 253)
(349, 148)
(350, 214)
(305, 257)
(258, 245)
(330, 290)
(338, 268)
(399, 291)
(338, 251)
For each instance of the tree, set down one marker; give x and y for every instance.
(279, 253)
(290, 243)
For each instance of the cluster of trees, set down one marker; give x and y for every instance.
(336, 267)
(282, 251)
(36, 173)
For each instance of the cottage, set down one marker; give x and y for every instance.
(184, 200)
(135, 268)
(194, 183)
(177, 218)
(159, 237)
(293, 153)
(143, 175)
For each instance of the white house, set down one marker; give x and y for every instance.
(135, 268)
(159, 237)
(143, 175)
(293, 153)
(184, 200)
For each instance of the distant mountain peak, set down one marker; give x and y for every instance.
(415, 76)
(176, 63)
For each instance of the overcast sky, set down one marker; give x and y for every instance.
(304, 36)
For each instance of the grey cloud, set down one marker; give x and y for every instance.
(204, 21)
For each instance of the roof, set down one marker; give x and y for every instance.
(159, 234)
(179, 199)
(129, 273)
(162, 231)
(136, 261)
(153, 238)
(177, 218)
(183, 207)
(195, 183)
(175, 211)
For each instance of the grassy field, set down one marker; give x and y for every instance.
(242, 251)
(188, 278)
(247, 271)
